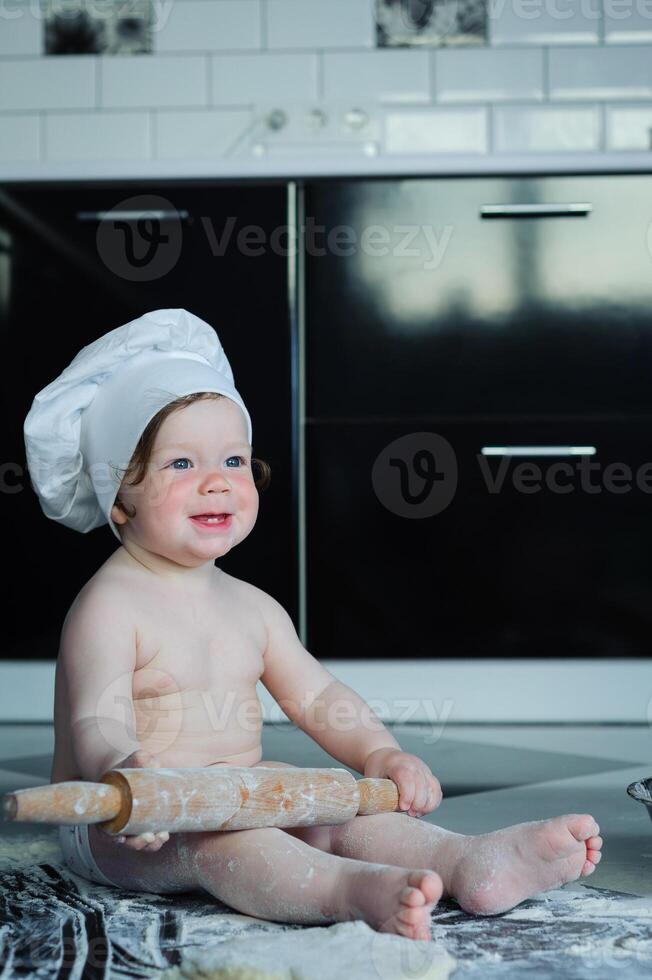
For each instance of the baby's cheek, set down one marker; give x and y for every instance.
(166, 496)
(253, 498)
(251, 501)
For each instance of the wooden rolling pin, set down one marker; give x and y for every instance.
(133, 801)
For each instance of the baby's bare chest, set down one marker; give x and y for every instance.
(179, 650)
(195, 679)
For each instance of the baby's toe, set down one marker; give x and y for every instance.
(412, 897)
(582, 826)
(415, 923)
(428, 885)
(432, 887)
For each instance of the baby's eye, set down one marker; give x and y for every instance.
(183, 459)
(239, 459)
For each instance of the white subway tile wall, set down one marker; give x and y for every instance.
(197, 25)
(488, 74)
(245, 78)
(48, 83)
(388, 76)
(546, 129)
(442, 130)
(72, 136)
(629, 127)
(141, 80)
(20, 34)
(601, 73)
(20, 138)
(199, 133)
(628, 23)
(319, 24)
(547, 21)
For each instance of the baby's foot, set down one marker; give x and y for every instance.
(494, 872)
(397, 899)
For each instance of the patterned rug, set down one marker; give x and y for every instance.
(54, 924)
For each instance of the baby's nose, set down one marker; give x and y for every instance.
(216, 480)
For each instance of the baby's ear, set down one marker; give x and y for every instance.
(118, 516)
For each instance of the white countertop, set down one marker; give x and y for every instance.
(290, 166)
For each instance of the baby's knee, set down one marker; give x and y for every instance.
(215, 843)
(318, 835)
(220, 851)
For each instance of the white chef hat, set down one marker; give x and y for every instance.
(85, 425)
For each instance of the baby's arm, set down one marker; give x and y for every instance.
(98, 658)
(336, 717)
(327, 710)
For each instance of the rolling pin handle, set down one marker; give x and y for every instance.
(377, 796)
(9, 806)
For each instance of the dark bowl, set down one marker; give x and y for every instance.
(642, 791)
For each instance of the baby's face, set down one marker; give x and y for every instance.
(200, 464)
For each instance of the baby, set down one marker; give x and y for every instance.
(161, 651)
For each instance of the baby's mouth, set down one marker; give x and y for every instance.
(210, 518)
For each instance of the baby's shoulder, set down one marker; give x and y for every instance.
(106, 591)
(248, 595)
(267, 612)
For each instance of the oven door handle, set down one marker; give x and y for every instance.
(150, 215)
(538, 450)
(580, 210)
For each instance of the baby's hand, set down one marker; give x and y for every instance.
(144, 842)
(419, 791)
(147, 841)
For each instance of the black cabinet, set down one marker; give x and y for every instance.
(61, 287)
(423, 306)
(484, 313)
(519, 323)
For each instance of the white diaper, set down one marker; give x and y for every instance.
(78, 855)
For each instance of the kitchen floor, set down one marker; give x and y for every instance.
(491, 776)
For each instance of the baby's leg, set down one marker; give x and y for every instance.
(161, 871)
(273, 875)
(486, 874)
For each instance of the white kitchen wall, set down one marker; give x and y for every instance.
(299, 80)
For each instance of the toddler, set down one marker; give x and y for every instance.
(161, 652)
